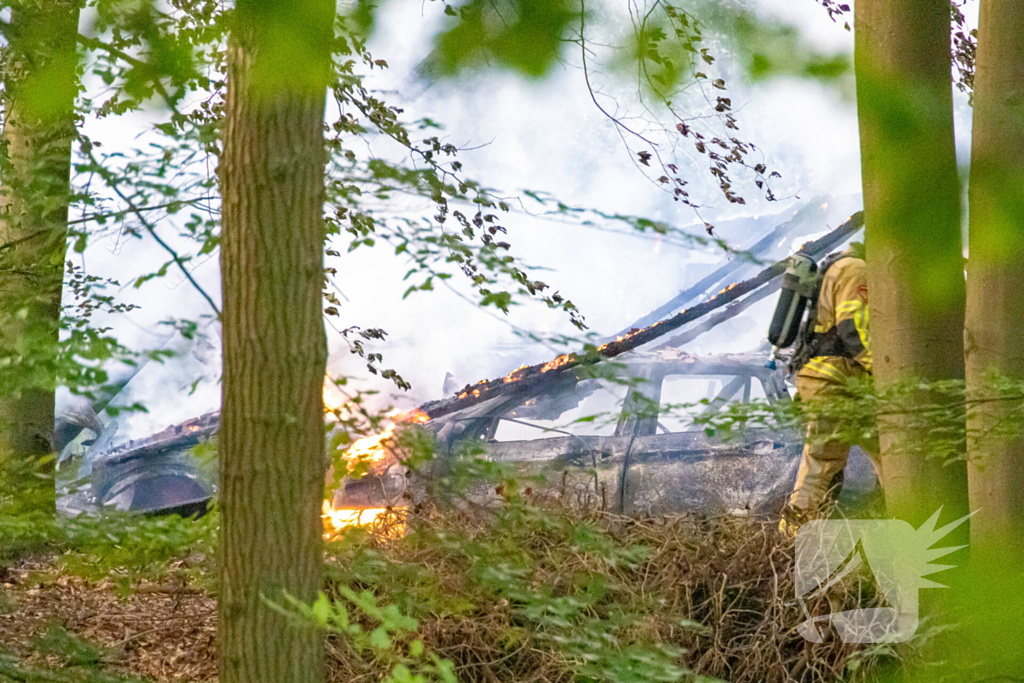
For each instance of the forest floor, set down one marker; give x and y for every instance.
(526, 595)
(58, 626)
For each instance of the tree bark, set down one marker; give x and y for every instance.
(912, 234)
(40, 86)
(995, 280)
(272, 452)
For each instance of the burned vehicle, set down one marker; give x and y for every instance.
(159, 474)
(108, 460)
(612, 425)
(641, 465)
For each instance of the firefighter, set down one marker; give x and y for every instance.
(839, 349)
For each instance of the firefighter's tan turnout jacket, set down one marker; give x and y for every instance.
(843, 304)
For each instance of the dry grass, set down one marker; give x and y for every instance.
(719, 590)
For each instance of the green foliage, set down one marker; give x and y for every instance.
(136, 547)
(408, 664)
(589, 619)
(26, 499)
(525, 36)
(668, 50)
(769, 48)
(147, 51)
(475, 248)
(294, 39)
(545, 581)
(360, 17)
(531, 589)
(937, 409)
(69, 659)
(71, 650)
(39, 69)
(22, 531)
(127, 547)
(665, 43)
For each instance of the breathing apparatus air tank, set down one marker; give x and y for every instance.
(798, 288)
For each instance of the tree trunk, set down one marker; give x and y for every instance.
(912, 235)
(40, 86)
(995, 279)
(272, 453)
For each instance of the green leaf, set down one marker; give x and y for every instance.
(379, 639)
(322, 611)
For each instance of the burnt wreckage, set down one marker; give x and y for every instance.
(641, 467)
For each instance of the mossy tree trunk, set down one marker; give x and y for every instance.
(272, 454)
(40, 86)
(912, 235)
(994, 339)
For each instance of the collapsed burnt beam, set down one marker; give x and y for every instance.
(731, 311)
(737, 307)
(531, 380)
(811, 211)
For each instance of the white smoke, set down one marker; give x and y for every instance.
(542, 135)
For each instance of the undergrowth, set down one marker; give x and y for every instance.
(132, 547)
(61, 657)
(532, 592)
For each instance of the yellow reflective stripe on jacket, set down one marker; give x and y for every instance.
(843, 297)
(860, 319)
(857, 311)
(823, 367)
(847, 309)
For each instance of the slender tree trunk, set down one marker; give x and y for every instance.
(994, 340)
(272, 454)
(912, 234)
(40, 85)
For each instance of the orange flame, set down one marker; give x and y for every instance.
(621, 338)
(372, 449)
(414, 416)
(334, 400)
(557, 363)
(515, 375)
(339, 520)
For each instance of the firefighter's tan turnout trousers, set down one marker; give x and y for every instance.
(823, 458)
